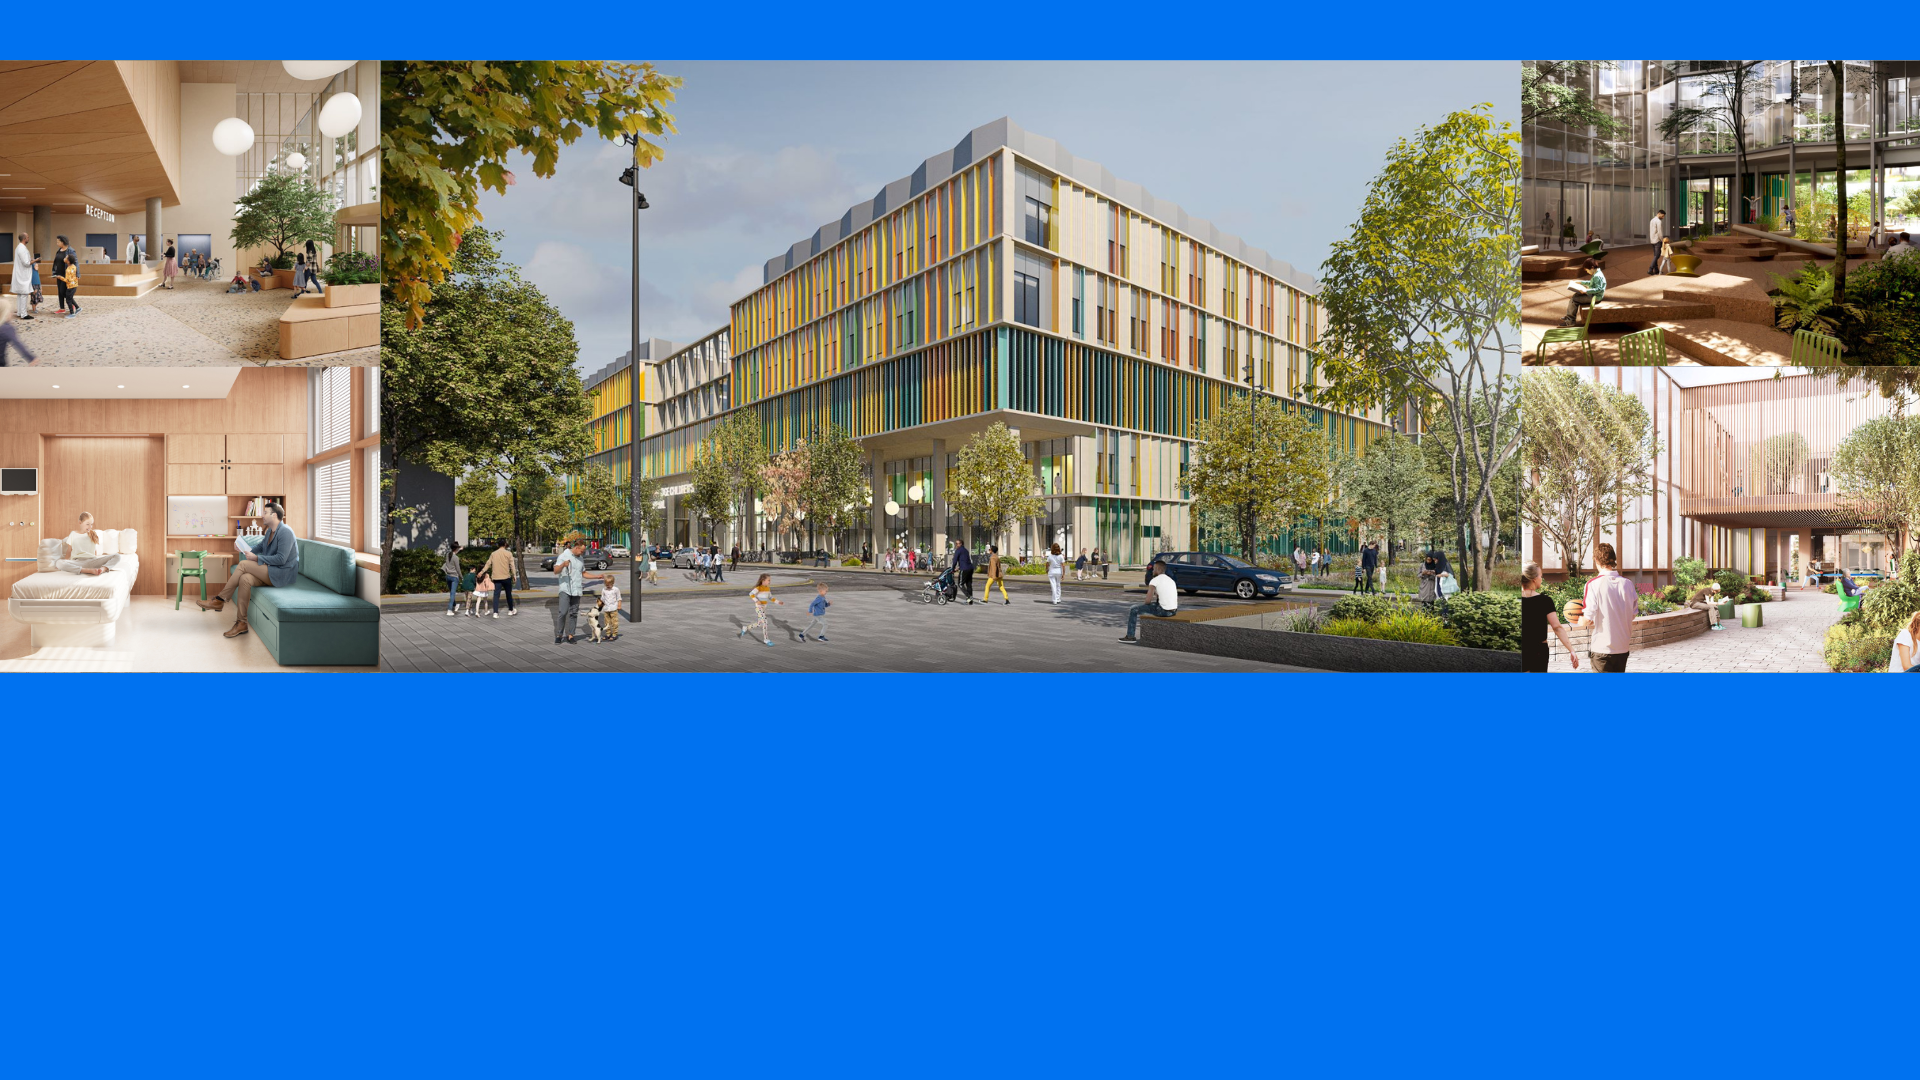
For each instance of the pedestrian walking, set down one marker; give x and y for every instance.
(762, 596)
(10, 338)
(996, 575)
(1610, 605)
(450, 567)
(1299, 561)
(736, 556)
(653, 568)
(1056, 567)
(171, 268)
(1537, 616)
(501, 569)
(66, 277)
(963, 570)
(1369, 562)
(1080, 566)
(1429, 579)
(1313, 562)
(482, 593)
(818, 609)
(1657, 236)
(1163, 599)
(572, 574)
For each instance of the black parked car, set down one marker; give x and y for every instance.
(1195, 571)
(592, 560)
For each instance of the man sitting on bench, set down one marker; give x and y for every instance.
(1586, 293)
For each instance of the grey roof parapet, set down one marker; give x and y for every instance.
(652, 350)
(983, 141)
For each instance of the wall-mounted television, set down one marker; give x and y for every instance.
(19, 481)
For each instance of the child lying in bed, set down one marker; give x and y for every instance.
(83, 551)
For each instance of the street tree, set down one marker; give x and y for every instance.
(1553, 91)
(783, 481)
(646, 492)
(741, 445)
(485, 381)
(1391, 489)
(1421, 305)
(487, 512)
(1877, 470)
(600, 504)
(553, 520)
(712, 498)
(1264, 469)
(449, 129)
(1589, 451)
(283, 211)
(837, 485)
(992, 486)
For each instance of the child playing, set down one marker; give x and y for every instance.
(609, 609)
(818, 609)
(762, 595)
(1666, 255)
(481, 593)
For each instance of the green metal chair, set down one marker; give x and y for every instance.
(1560, 334)
(197, 570)
(1850, 603)
(1810, 348)
(1644, 348)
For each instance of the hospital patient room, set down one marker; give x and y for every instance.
(189, 519)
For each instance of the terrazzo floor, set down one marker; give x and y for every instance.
(195, 324)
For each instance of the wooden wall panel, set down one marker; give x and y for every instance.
(256, 480)
(196, 449)
(196, 480)
(119, 481)
(261, 449)
(19, 540)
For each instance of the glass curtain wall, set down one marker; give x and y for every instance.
(1608, 184)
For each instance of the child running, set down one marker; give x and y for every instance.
(818, 609)
(762, 595)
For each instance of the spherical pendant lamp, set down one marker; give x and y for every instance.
(339, 115)
(893, 508)
(915, 492)
(311, 70)
(296, 161)
(232, 136)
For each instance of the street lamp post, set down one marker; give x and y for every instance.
(635, 581)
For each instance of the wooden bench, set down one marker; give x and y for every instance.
(310, 328)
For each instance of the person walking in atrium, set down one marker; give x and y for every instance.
(66, 277)
(22, 286)
(171, 268)
(1656, 235)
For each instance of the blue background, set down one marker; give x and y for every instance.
(847, 876)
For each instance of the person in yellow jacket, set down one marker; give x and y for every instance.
(996, 575)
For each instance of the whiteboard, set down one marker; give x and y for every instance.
(198, 515)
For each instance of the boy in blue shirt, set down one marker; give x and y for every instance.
(818, 609)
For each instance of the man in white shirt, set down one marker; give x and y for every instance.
(22, 285)
(1656, 232)
(1612, 605)
(1164, 600)
(1902, 248)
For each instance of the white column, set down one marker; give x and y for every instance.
(937, 498)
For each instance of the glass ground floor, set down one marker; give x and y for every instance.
(1559, 214)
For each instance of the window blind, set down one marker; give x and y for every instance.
(333, 500)
(333, 419)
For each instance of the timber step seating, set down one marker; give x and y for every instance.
(309, 327)
(96, 279)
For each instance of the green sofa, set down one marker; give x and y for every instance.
(320, 618)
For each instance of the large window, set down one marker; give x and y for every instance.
(1026, 299)
(333, 501)
(1036, 206)
(343, 457)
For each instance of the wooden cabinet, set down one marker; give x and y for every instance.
(254, 449)
(256, 479)
(198, 449)
(196, 479)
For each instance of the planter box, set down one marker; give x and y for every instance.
(1648, 631)
(1325, 652)
(353, 295)
(1750, 615)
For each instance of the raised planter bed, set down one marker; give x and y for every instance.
(1325, 652)
(353, 295)
(1648, 631)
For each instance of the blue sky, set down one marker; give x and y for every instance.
(1279, 153)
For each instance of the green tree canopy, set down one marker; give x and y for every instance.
(1589, 451)
(283, 211)
(449, 128)
(553, 519)
(1391, 490)
(712, 498)
(1552, 91)
(1877, 469)
(1263, 468)
(487, 512)
(599, 504)
(992, 485)
(837, 487)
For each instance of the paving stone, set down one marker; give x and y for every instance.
(1791, 641)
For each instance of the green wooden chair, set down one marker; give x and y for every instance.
(1560, 334)
(1644, 348)
(197, 570)
(1811, 349)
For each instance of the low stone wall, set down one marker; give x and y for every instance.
(1648, 631)
(1325, 652)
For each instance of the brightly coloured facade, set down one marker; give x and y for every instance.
(613, 422)
(1008, 281)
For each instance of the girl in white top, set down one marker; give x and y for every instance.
(1056, 566)
(1906, 646)
(83, 551)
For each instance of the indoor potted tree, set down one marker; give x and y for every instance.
(283, 211)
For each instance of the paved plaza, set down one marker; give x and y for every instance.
(1791, 640)
(874, 625)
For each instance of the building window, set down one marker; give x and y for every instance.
(1026, 299)
(1036, 222)
(1035, 192)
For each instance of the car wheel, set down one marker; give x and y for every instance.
(1243, 589)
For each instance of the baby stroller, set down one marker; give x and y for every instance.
(940, 590)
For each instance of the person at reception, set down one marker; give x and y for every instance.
(66, 277)
(171, 268)
(1612, 603)
(1657, 236)
(23, 274)
(1586, 293)
(1537, 616)
(274, 561)
(1163, 599)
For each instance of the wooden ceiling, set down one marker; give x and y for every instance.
(87, 131)
(249, 76)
